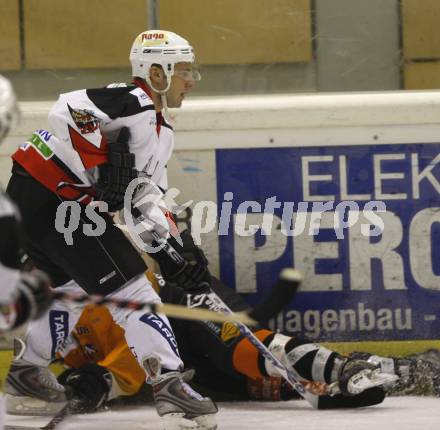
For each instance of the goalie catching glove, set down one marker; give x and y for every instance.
(117, 173)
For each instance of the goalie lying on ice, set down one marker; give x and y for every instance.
(227, 366)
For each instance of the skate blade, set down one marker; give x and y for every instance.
(22, 405)
(177, 421)
(206, 422)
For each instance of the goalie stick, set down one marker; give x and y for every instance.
(319, 395)
(288, 277)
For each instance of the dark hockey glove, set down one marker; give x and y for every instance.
(117, 173)
(192, 275)
(90, 383)
(35, 296)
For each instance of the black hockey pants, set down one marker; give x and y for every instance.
(100, 265)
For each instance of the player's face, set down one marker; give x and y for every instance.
(182, 82)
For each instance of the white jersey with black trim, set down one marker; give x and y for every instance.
(82, 123)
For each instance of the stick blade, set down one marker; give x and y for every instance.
(280, 296)
(372, 396)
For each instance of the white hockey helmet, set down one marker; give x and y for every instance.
(9, 112)
(160, 47)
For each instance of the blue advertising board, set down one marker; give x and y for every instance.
(358, 286)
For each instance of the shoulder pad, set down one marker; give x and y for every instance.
(117, 85)
(119, 102)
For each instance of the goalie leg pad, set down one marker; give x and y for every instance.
(311, 361)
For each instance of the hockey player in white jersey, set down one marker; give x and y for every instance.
(100, 140)
(23, 296)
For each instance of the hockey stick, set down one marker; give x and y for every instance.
(287, 275)
(321, 401)
(316, 393)
(70, 408)
(280, 295)
(286, 373)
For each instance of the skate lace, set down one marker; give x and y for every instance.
(48, 380)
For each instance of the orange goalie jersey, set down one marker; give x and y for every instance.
(97, 338)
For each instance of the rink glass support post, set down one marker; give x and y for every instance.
(152, 14)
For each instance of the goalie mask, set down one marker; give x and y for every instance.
(9, 112)
(164, 48)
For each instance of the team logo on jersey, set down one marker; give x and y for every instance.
(229, 331)
(81, 331)
(84, 119)
(89, 351)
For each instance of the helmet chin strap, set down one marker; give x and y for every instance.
(163, 97)
(165, 112)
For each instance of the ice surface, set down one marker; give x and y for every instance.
(396, 413)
